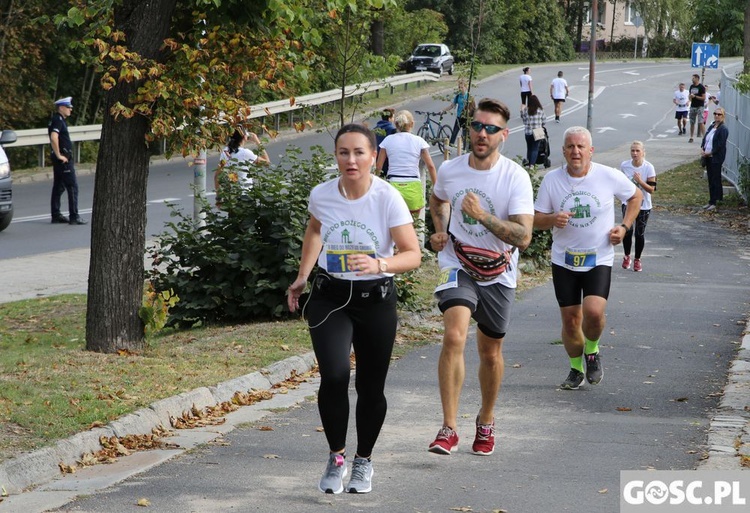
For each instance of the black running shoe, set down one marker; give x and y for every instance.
(594, 371)
(573, 381)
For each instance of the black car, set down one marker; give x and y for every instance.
(430, 57)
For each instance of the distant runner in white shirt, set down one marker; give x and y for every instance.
(682, 101)
(558, 91)
(525, 81)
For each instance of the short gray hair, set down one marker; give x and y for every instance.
(575, 130)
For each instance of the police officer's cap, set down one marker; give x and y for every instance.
(65, 102)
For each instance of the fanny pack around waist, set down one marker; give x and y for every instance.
(482, 264)
(377, 289)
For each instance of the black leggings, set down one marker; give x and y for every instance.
(639, 227)
(368, 324)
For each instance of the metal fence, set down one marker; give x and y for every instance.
(736, 167)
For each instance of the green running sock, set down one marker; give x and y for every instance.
(577, 363)
(590, 346)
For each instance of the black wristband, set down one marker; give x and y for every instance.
(625, 226)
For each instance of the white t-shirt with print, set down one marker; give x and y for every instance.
(404, 151)
(242, 155)
(360, 225)
(647, 171)
(584, 242)
(503, 190)
(683, 100)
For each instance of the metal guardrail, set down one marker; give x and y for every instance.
(39, 137)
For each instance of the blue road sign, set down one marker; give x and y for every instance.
(705, 55)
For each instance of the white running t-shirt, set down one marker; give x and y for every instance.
(584, 242)
(647, 171)
(503, 190)
(404, 151)
(360, 225)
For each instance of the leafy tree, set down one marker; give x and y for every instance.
(404, 30)
(722, 22)
(513, 31)
(23, 72)
(173, 69)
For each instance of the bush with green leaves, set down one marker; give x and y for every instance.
(541, 240)
(239, 265)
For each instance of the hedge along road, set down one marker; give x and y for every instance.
(632, 101)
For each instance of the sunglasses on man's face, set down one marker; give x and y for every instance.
(490, 129)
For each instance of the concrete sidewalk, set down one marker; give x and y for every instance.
(668, 329)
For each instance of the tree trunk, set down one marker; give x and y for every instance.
(746, 51)
(118, 223)
(377, 45)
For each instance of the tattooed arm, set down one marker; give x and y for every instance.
(516, 230)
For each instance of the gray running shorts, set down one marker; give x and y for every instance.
(490, 305)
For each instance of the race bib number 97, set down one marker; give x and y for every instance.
(580, 258)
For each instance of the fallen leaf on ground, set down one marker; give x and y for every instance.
(145, 503)
(265, 428)
(603, 490)
(623, 408)
(271, 456)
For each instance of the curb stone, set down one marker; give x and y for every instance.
(30, 470)
(729, 429)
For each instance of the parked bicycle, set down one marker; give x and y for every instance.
(434, 131)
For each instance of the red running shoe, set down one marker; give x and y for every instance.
(484, 441)
(637, 267)
(626, 262)
(446, 442)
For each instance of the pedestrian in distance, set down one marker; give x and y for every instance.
(697, 98)
(464, 110)
(403, 150)
(714, 151)
(356, 219)
(576, 201)
(681, 100)
(558, 91)
(236, 155)
(533, 118)
(383, 128)
(642, 173)
(63, 167)
(482, 210)
(525, 81)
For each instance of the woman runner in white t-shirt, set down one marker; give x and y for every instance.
(643, 175)
(356, 219)
(404, 150)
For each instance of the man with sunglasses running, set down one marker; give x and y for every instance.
(482, 207)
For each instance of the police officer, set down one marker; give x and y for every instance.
(64, 173)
